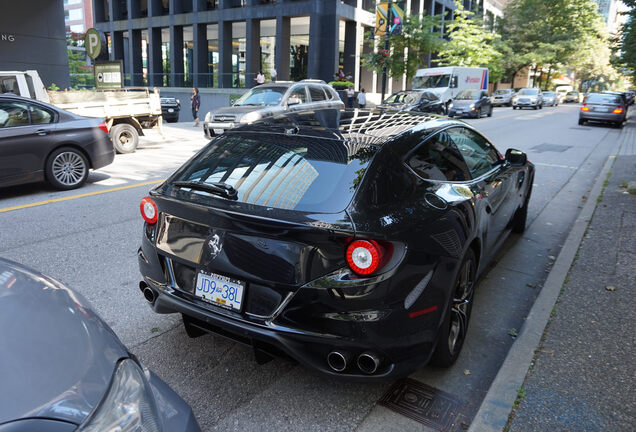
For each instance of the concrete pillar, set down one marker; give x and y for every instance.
(200, 55)
(225, 54)
(134, 8)
(154, 8)
(155, 64)
(350, 42)
(281, 57)
(252, 50)
(323, 40)
(117, 45)
(176, 56)
(134, 65)
(115, 10)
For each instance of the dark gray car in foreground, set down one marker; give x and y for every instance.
(63, 369)
(39, 141)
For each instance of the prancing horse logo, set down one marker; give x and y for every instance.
(215, 246)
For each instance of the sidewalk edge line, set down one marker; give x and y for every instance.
(498, 402)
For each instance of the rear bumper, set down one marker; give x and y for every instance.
(604, 117)
(302, 331)
(103, 153)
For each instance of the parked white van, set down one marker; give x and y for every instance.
(447, 81)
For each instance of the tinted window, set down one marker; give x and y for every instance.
(603, 99)
(479, 155)
(317, 94)
(287, 172)
(40, 115)
(403, 97)
(300, 93)
(262, 96)
(13, 114)
(437, 158)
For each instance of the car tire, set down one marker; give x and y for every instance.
(490, 112)
(125, 138)
(452, 333)
(172, 121)
(581, 122)
(619, 125)
(66, 168)
(535, 107)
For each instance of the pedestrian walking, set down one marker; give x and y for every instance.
(362, 99)
(196, 103)
(273, 74)
(350, 94)
(260, 78)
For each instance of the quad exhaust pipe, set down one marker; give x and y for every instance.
(148, 292)
(338, 360)
(368, 362)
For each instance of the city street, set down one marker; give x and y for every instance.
(88, 239)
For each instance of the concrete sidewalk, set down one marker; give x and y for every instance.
(582, 376)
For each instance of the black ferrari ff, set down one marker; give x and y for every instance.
(349, 240)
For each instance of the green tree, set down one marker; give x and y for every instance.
(549, 33)
(625, 44)
(471, 44)
(408, 50)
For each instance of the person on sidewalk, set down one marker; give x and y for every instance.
(260, 78)
(196, 103)
(362, 99)
(273, 73)
(350, 94)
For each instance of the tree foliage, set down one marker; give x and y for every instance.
(625, 44)
(550, 34)
(471, 44)
(420, 36)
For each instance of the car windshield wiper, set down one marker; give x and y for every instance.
(218, 188)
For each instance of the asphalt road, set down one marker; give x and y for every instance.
(88, 239)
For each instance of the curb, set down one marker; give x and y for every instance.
(498, 403)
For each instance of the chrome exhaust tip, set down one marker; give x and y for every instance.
(149, 295)
(338, 360)
(368, 362)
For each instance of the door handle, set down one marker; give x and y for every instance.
(42, 132)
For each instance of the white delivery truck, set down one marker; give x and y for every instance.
(126, 112)
(447, 81)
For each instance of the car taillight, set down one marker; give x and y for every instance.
(103, 127)
(366, 256)
(584, 108)
(148, 210)
(618, 110)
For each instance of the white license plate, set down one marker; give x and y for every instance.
(220, 290)
(601, 109)
(218, 131)
(170, 110)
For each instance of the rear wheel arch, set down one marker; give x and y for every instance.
(74, 146)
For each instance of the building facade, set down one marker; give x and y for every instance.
(32, 36)
(225, 43)
(78, 15)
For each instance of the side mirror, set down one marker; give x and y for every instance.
(516, 157)
(293, 101)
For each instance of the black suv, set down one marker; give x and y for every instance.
(170, 108)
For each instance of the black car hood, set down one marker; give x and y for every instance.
(57, 356)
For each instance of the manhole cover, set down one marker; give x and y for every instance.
(545, 147)
(431, 407)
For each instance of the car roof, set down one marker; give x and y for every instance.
(291, 83)
(372, 127)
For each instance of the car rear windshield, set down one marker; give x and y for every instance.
(595, 98)
(502, 92)
(296, 172)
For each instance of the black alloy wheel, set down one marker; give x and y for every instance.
(453, 331)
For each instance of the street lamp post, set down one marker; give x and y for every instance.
(386, 46)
